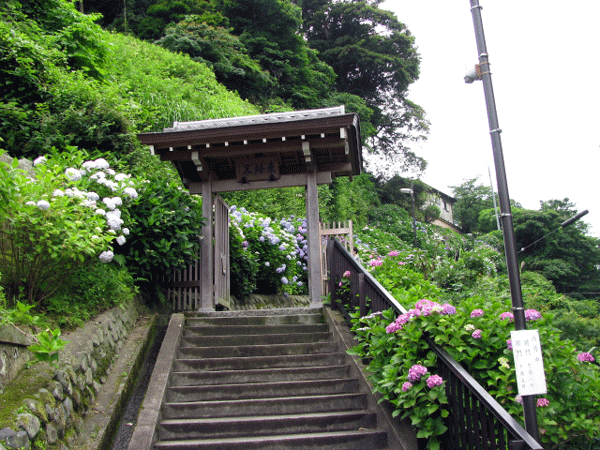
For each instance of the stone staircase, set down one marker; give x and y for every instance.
(263, 380)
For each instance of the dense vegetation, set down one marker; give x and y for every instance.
(104, 222)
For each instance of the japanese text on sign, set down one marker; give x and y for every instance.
(529, 364)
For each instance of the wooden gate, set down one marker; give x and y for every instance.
(221, 259)
(340, 230)
(184, 292)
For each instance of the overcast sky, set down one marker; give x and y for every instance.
(546, 77)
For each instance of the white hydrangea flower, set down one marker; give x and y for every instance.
(106, 256)
(121, 177)
(58, 193)
(43, 205)
(30, 203)
(101, 164)
(125, 231)
(88, 203)
(93, 196)
(117, 201)
(39, 160)
(121, 240)
(131, 192)
(98, 176)
(101, 212)
(73, 174)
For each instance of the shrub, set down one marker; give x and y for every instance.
(277, 250)
(476, 333)
(66, 216)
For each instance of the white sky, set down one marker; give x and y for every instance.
(546, 77)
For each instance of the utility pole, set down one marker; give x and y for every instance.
(510, 248)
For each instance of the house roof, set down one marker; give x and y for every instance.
(239, 149)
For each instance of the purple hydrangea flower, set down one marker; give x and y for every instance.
(416, 372)
(393, 327)
(284, 280)
(509, 344)
(532, 314)
(477, 313)
(448, 309)
(406, 386)
(394, 253)
(476, 334)
(434, 380)
(585, 357)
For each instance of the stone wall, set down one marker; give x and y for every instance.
(52, 416)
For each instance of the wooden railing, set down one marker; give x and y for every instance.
(476, 421)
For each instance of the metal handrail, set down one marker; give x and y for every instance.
(379, 299)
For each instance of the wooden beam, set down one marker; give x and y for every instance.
(285, 181)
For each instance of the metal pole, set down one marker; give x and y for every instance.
(510, 247)
(412, 196)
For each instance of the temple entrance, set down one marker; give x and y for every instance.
(300, 148)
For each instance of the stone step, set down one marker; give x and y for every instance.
(264, 319)
(258, 375)
(214, 428)
(259, 362)
(334, 440)
(265, 406)
(260, 390)
(253, 339)
(256, 350)
(248, 329)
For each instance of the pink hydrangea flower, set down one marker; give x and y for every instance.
(519, 399)
(507, 316)
(509, 344)
(393, 327)
(585, 357)
(477, 313)
(376, 262)
(434, 380)
(541, 402)
(394, 253)
(416, 372)
(346, 274)
(406, 386)
(476, 334)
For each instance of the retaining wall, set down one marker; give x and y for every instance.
(55, 400)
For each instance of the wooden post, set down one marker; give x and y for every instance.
(206, 301)
(315, 284)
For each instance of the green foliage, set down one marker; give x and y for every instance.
(472, 199)
(54, 224)
(91, 289)
(48, 345)
(274, 252)
(19, 315)
(165, 232)
(476, 336)
(223, 53)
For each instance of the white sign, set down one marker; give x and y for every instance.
(529, 365)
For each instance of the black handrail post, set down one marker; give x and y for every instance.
(510, 247)
(362, 300)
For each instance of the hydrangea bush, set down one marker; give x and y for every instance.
(274, 253)
(70, 212)
(475, 332)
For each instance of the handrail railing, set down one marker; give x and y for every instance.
(476, 420)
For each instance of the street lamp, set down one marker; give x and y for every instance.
(411, 191)
(566, 223)
(482, 72)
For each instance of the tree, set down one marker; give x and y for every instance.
(471, 199)
(221, 51)
(566, 256)
(270, 30)
(374, 57)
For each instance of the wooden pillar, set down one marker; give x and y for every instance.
(315, 285)
(207, 266)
